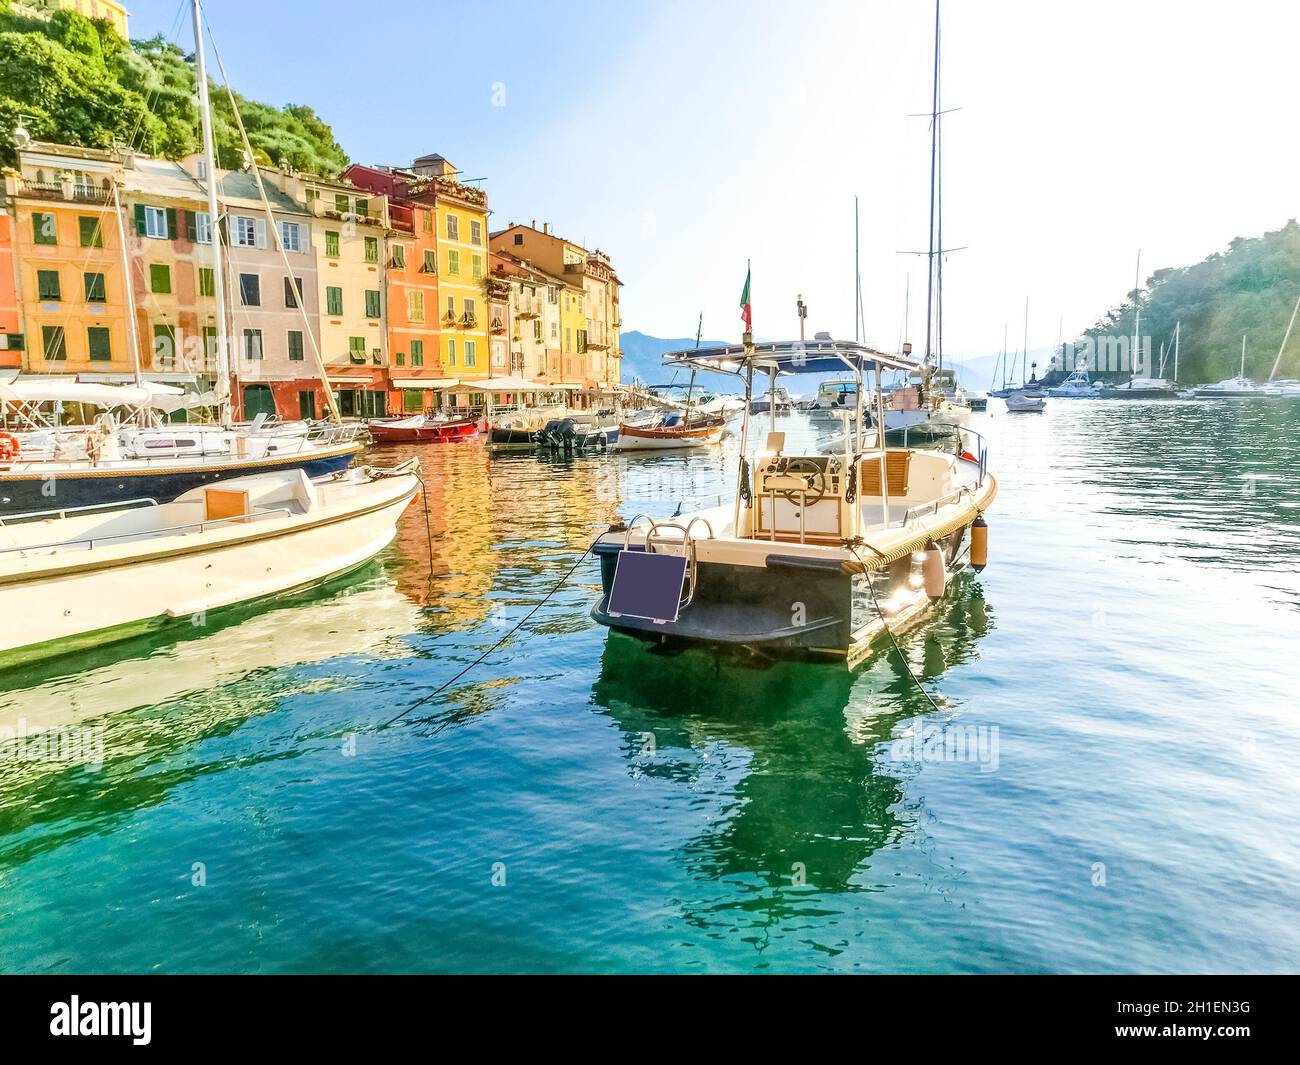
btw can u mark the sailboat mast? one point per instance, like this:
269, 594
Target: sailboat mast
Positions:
214, 216
132, 325
1273, 372
1024, 352
1178, 328
1243, 356
1137, 316
934, 162
857, 276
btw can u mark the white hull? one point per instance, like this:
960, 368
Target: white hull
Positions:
666, 443
132, 580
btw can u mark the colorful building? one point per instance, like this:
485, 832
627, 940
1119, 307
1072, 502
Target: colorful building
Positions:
11, 329
349, 232
411, 286
534, 318
590, 319
109, 11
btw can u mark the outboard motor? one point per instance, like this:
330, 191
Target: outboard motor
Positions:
559, 433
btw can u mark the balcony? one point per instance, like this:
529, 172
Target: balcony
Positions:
468, 321
526, 307
597, 335
62, 191
467, 194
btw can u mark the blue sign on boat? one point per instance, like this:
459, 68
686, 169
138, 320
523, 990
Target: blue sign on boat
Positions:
647, 585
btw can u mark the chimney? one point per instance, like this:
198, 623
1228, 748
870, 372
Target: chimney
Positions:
546, 228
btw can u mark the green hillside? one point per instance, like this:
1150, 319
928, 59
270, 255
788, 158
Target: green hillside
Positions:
77, 82
1249, 289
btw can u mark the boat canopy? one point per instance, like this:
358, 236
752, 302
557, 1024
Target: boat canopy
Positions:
66, 390
791, 356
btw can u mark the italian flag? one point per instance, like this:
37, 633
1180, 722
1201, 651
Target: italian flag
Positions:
746, 308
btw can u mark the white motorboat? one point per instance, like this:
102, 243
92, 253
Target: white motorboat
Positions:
817, 555
1142, 388
1239, 387
82, 576
1077, 386
1020, 403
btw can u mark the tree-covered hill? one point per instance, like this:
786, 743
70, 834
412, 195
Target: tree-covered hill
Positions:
1250, 289
77, 82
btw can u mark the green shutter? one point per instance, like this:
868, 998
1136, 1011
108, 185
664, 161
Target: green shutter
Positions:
139, 219
191, 228
171, 223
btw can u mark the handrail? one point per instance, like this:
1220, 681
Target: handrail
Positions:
202, 526
142, 501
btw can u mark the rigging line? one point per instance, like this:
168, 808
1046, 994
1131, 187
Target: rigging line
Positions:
871, 587
515, 628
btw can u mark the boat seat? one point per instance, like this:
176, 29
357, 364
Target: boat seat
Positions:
897, 463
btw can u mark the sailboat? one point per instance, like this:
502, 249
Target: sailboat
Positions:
1239, 387
90, 573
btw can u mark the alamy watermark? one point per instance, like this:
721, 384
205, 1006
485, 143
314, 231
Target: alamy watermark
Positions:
953, 742
69, 744
1105, 354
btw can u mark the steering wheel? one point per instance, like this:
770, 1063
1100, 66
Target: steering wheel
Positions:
814, 478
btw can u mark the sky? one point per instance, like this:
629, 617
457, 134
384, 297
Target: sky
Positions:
685, 139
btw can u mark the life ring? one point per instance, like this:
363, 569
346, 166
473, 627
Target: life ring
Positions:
8, 447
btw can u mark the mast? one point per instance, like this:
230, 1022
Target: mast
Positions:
699, 332
1273, 372
1137, 316
214, 217
934, 162
1178, 328
857, 279
132, 326
1243, 356
1024, 352
1005, 330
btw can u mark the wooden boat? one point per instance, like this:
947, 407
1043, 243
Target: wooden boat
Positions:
83, 576
817, 555
669, 436
422, 430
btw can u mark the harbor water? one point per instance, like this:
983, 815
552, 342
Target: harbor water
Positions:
1106, 783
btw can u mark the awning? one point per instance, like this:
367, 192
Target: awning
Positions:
424, 382
513, 384
68, 390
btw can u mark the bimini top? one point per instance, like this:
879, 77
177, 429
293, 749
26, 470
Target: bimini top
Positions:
792, 356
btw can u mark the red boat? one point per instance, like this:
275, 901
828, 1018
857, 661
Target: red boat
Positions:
422, 430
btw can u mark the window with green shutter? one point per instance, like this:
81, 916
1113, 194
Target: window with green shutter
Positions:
341, 203
453, 262
97, 340
333, 300
54, 343
252, 344
207, 281
92, 235
372, 303
160, 277
417, 352
470, 349
164, 345
295, 345
412, 401
44, 229
331, 244
47, 285
430, 261
357, 349
290, 300
250, 290
95, 291
372, 249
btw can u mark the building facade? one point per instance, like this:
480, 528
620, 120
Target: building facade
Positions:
11, 329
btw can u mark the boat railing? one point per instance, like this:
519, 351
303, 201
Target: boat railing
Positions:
687, 544
980, 454
934, 505
138, 534
63, 512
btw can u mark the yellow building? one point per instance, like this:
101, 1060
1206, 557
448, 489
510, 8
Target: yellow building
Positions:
109, 11
461, 217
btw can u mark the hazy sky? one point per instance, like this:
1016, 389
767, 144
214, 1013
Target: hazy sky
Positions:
684, 138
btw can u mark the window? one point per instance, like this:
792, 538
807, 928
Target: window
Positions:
453, 262
155, 222
290, 236
250, 290
415, 305
372, 303
555, 331
244, 232
53, 343
553, 294
537, 329
289, 298
451, 352
412, 401
331, 244
210, 345
94, 284
44, 230
92, 236
372, 249
428, 221
399, 257
198, 226
453, 227
164, 345
207, 281
47, 285
519, 238
97, 341
469, 352
295, 345
476, 232
252, 343
333, 300
568, 339
307, 404
362, 207
451, 307
430, 261
160, 277
357, 349
476, 266
470, 316
341, 203
399, 358
417, 352
582, 340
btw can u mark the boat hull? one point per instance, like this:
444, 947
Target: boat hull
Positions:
36, 489
632, 438
435, 433
125, 594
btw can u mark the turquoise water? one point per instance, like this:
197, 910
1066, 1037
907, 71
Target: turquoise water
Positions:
579, 803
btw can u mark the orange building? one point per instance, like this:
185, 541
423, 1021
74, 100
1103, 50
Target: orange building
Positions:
411, 284
11, 332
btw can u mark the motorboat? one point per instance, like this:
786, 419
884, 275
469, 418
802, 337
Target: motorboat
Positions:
1020, 403
673, 432
519, 428
81, 576
777, 400
579, 432
1141, 388
422, 429
1238, 387
816, 555
1077, 386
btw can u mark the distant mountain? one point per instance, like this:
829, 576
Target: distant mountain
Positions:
643, 357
